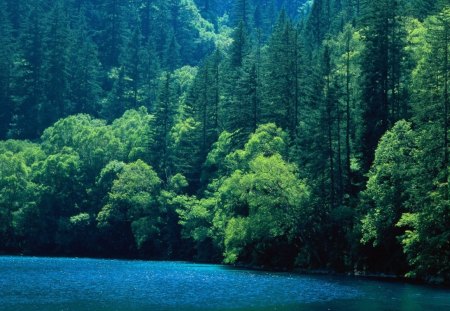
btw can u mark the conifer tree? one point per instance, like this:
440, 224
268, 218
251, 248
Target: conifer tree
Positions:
84, 70
28, 84
57, 47
381, 73
134, 62
281, 77
7, 52
164, 112
112, 39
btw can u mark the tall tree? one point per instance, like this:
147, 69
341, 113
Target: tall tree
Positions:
57, 47
164, 119
134, 63
111, 40
84, 70
281, 98
28, 85
7, 52
381, 72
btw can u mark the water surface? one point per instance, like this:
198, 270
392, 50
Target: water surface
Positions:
51, 284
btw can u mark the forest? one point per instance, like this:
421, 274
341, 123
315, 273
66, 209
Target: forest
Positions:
309, 134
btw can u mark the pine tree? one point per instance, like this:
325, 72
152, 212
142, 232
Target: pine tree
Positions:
231, 106
329, 121
239, 48
112, 39
249, 97
84, 70
28, 84
203, 103
114, 104
57, 47
172, 58
281, 102
150, 73
134, 62
381, 73
242, 9
165, 111
7, 51
431, 108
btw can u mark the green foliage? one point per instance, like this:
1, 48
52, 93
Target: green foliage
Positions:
264, 206
386, 195
262, 201
132, 202
228, 134
19, 192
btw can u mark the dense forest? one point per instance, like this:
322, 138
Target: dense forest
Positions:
270, 133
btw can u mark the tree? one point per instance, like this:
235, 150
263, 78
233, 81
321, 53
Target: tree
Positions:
282, 77
164, 119
112, 39
28, 91
257, 204
134, 63
186, 151
18, 191
248, 94
381, 73
6, 70
242, 9
132, 209
260, 222
386, 196
426, 224
432, 86
114, 104
56, 68
84, 70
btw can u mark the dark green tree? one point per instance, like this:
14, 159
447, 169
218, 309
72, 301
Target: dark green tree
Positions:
381, 64
57, 48
7, 53
165, 111
28, 85
84, 71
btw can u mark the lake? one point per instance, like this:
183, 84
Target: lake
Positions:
61, 284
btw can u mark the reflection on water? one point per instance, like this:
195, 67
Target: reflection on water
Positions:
106, 285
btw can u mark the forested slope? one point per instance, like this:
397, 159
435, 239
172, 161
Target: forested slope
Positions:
309, 134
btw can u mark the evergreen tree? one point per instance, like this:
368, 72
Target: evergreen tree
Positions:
281, 97
134, 64
242, 9
231, 106
164, 119
114, 104
56, 67
151, 70
239, 48
111, 39
172, 58
7, 54
84, 70
28, 85
381, 72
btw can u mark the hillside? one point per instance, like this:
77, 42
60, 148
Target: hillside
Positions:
270, 133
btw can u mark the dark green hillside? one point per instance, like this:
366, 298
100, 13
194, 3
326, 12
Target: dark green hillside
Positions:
270, 133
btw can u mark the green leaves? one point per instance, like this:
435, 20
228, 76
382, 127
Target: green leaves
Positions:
258, 200
132, 201
265, 203
386, 196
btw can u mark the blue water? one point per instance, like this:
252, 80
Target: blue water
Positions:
61, 284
